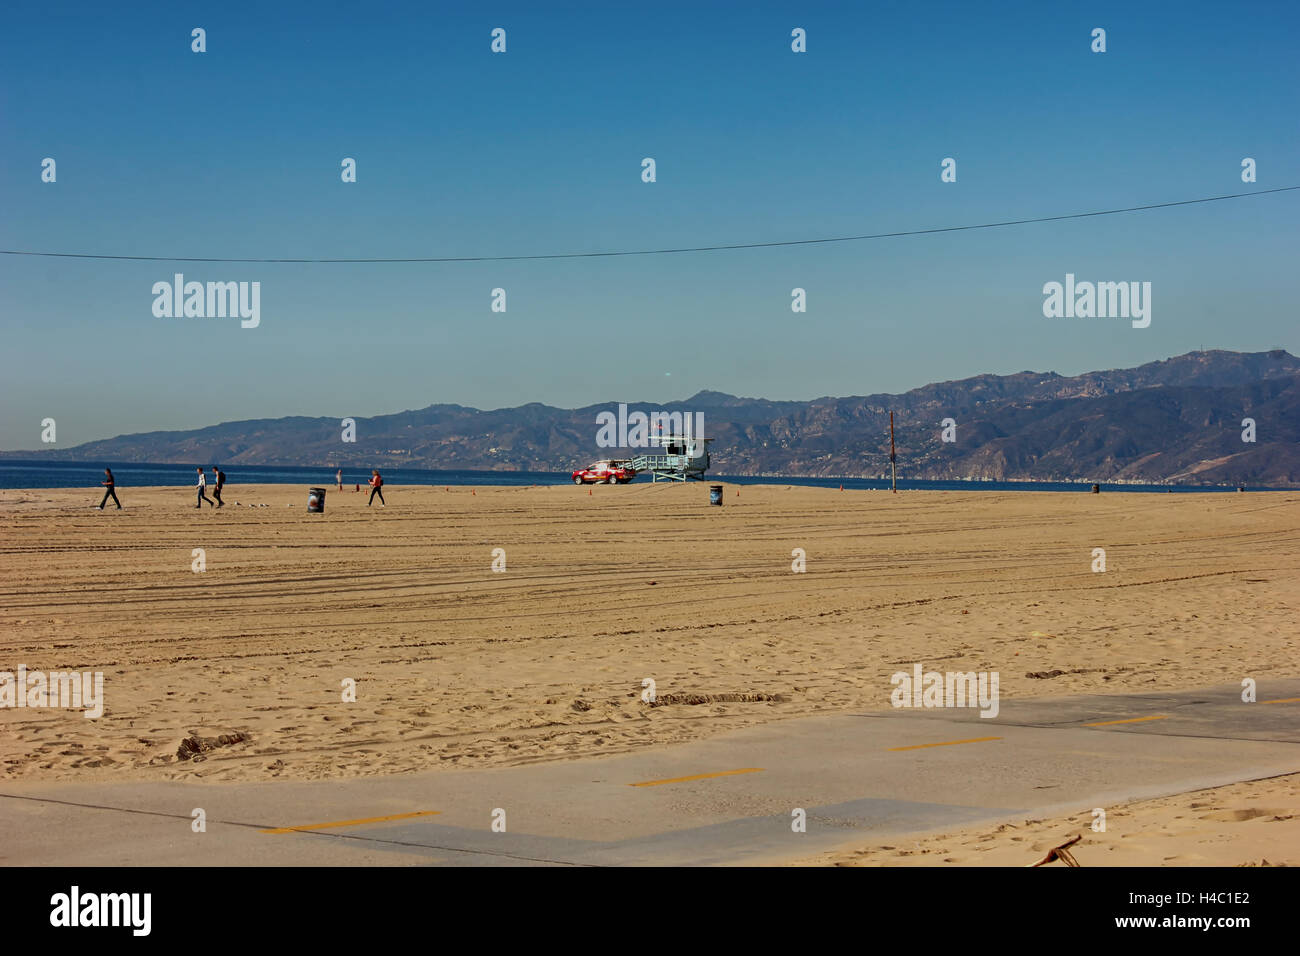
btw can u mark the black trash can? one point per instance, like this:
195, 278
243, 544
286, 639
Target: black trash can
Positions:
316, 501
715, 494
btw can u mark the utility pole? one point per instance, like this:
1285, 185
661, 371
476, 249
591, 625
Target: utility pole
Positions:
893, 458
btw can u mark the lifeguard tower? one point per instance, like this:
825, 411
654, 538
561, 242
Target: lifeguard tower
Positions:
685, 458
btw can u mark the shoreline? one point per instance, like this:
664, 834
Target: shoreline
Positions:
503, 479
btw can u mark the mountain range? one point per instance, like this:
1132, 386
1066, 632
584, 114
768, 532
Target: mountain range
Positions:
1178, 420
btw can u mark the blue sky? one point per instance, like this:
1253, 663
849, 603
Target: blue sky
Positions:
236, 153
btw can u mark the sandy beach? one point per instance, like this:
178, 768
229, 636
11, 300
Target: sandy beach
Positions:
1256, 823
458, 665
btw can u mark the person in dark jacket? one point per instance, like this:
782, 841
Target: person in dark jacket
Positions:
218, 479
109, 489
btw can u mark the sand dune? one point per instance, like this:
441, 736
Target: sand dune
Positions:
457, 665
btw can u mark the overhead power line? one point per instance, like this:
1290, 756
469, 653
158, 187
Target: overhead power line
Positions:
660, 252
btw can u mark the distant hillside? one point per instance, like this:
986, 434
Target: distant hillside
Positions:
1174, 420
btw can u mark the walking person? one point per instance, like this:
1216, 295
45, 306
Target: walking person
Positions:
218, 479
203, 483
375, 484
338, 477
109, 486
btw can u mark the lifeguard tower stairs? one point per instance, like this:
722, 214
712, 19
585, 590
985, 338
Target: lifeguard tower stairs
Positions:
685, 458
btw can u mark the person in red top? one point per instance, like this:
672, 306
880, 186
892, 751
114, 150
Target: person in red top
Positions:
375, 484
109, 486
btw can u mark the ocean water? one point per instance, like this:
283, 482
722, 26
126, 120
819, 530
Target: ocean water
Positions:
16, 473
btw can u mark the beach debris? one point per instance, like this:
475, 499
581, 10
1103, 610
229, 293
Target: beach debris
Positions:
1048, 675
1040, 634
581, 704
194, 747
664, 700
1061, 853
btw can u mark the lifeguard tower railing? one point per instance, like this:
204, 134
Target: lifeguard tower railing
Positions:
686, 459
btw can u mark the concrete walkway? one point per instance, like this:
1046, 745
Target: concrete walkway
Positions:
726, 800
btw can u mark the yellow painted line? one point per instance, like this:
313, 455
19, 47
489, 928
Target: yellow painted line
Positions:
1284, 700
1128, 720
698, 776
946, 743
353, 823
